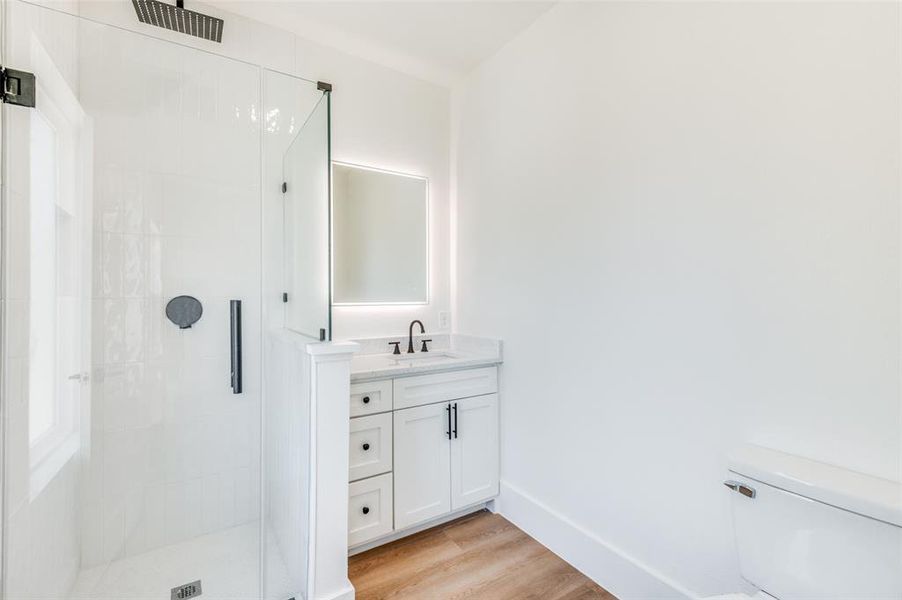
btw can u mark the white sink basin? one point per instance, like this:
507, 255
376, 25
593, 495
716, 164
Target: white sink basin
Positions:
424, 356
378, 362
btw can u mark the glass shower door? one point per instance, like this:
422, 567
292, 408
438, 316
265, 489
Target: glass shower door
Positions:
131, 469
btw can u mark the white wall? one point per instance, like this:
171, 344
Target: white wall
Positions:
683, 220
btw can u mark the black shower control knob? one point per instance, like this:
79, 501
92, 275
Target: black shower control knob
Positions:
184, 311
366, 510
366, 399
366, 446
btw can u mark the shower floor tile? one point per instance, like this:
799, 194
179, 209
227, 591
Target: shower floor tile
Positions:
226, 562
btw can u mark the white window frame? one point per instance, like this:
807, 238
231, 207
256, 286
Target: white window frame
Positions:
58, 106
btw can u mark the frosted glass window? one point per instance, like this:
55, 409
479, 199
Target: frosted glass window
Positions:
42, 400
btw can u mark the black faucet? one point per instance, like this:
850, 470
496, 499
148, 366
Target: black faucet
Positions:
410, 334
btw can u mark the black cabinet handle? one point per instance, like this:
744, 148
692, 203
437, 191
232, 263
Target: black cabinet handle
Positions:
235, 315
366, 510
366, 399
366, 446
448, 433
455, 420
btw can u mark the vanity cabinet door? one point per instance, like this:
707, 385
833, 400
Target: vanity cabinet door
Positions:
474, 450
422, 464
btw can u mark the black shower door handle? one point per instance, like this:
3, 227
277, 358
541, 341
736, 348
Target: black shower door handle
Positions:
235, 314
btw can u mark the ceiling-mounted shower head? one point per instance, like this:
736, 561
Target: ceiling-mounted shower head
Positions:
177, 18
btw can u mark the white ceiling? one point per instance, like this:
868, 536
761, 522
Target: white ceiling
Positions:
436, 40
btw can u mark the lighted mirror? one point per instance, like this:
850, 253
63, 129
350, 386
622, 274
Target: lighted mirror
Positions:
380, 224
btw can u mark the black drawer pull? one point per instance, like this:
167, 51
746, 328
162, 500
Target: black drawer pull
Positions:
366, 399
366, 446
455, 420
366, 510
448, 433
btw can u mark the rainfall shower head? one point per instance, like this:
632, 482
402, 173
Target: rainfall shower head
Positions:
177, 18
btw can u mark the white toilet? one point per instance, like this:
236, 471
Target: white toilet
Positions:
813, 531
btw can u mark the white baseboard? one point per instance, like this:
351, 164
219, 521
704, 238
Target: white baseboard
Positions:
346, 593
611, 568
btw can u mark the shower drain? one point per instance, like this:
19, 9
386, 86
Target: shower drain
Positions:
189, 590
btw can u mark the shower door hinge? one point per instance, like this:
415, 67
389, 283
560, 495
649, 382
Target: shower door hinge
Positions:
323, 86
18, 87
322, 335
284, 187
284, 296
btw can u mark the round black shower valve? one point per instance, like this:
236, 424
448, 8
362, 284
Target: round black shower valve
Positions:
184, 311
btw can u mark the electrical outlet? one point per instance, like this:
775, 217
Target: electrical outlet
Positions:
444, 320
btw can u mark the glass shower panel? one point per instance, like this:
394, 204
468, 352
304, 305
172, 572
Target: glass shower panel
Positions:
307, 177
130, 466
287, 103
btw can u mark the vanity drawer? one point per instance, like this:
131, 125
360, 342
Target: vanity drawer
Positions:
371, 446
369, 509
440, 387
371, 397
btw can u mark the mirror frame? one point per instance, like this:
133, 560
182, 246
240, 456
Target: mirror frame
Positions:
428, 299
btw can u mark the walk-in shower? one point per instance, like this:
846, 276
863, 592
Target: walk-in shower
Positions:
135, 464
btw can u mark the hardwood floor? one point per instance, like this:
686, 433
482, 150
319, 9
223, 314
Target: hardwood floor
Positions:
480, 556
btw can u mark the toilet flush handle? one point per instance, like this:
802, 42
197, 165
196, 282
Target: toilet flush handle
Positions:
740, 487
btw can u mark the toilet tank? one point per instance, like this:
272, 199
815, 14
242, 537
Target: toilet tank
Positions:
808, 530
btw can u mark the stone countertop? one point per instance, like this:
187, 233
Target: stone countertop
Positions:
448, 352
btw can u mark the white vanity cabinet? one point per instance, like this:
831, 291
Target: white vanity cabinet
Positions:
447, 457
442, 429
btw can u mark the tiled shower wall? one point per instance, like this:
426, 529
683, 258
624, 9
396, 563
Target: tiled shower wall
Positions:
172, 452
